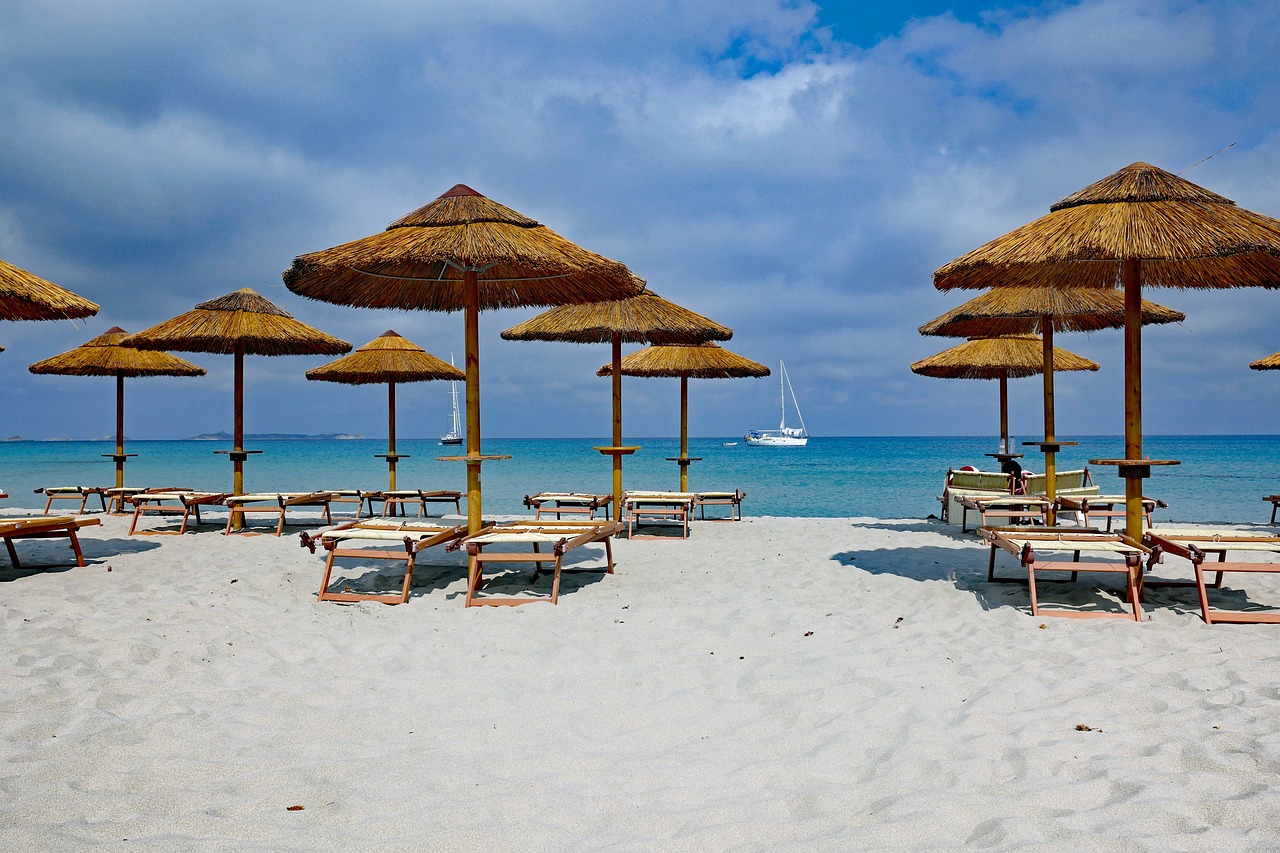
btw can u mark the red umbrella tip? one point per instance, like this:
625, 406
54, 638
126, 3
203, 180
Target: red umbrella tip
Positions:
389, 334
115, 329
459, 189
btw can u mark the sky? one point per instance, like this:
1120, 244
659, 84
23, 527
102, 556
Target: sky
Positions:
794, 170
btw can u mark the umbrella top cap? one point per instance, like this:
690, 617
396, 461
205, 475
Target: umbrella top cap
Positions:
390, 334
462, 206
245, 299
115, 330
1140, 182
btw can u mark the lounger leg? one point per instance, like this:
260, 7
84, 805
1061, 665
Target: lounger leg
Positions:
608, 553
84, 501
991, 566
75, 546
1131, 578
186, 513
137, 511
48, 504
410, 559
227, 531
280, 526
473, 579
324, 582
1031, 585
555, 583
1203, 593
13, 553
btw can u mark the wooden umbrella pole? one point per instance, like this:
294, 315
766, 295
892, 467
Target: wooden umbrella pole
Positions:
391, 434
684, 432
1132, 279
237, 455
119, 430
616, 341
471, 311
1004, 413
1050, 456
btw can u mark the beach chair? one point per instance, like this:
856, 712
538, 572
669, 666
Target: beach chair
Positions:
72, 493
379, 539
1274, 500
643, 506
1093, 507
43, 527
567, 503
1031, 509
184, 501
1073, 483
360, 497
561, 537
393, 502
1197, 545
1122, 555
733, 500
970, 482
120, 497
279, 503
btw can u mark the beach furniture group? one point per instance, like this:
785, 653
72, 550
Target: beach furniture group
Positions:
378, 539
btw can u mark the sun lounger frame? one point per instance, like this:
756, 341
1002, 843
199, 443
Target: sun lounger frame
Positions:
71, 493
188, 503
657, 506
44, 527
413, 542
562, 536
1105, 506
393, 501
1021, 544
567, 503
733, 500
283, 503
1197, 546
1010, 508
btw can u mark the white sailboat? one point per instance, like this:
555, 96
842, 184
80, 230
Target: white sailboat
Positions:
454, 435
783, 436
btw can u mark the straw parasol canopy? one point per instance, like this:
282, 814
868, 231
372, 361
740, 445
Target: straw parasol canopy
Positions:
106, 356
240, 323
24, 296
1002, 358
465, 252
391, 359
701, 361
1138, 225
1271, 362
1031, 310
644, 318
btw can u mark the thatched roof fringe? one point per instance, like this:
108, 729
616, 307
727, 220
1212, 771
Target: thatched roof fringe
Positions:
105, 356
1014, 356
24, 296
387, 358
1023, 311
645, 318
703, 361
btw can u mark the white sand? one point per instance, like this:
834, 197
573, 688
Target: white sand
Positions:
830, 684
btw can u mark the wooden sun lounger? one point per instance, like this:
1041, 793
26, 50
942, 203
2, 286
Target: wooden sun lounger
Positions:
560, 536
1011, 508
733, 500
1092, 507
360, 497
183, 501
1025, 544
43, 527
72, 493
1197, 545
1274, 500
393, 502
119, 496
657, 506
277, 502
360, 540
567, 503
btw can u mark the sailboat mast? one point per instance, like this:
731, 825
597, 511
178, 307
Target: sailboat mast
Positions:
782, 393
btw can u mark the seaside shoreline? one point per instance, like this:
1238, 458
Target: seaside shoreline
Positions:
803, 683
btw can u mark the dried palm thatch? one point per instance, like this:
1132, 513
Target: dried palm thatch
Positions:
1184, 235
1011, 356
420, 262
643, 318
1007, 311
386, 358
1271, 362
106, 356
242, 320
702, 361
24, 296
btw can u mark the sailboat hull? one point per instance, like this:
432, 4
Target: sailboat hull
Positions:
770, 438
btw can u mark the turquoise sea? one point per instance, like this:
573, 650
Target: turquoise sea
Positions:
1221, 478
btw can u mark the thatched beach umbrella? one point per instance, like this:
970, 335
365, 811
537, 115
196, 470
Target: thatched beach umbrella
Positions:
1002, 358
24, 296
1271, 362
105, 356
699, 361
1043, 311
391, 359
462, 252
646, 318
240, 323
1140, 225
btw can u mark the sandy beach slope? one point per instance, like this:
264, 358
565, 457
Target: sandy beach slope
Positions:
805, 684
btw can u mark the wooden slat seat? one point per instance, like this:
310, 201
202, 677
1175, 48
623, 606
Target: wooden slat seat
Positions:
279, 503
365, 540
561, 537
1197, 545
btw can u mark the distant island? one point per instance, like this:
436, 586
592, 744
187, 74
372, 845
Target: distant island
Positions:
277, 436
